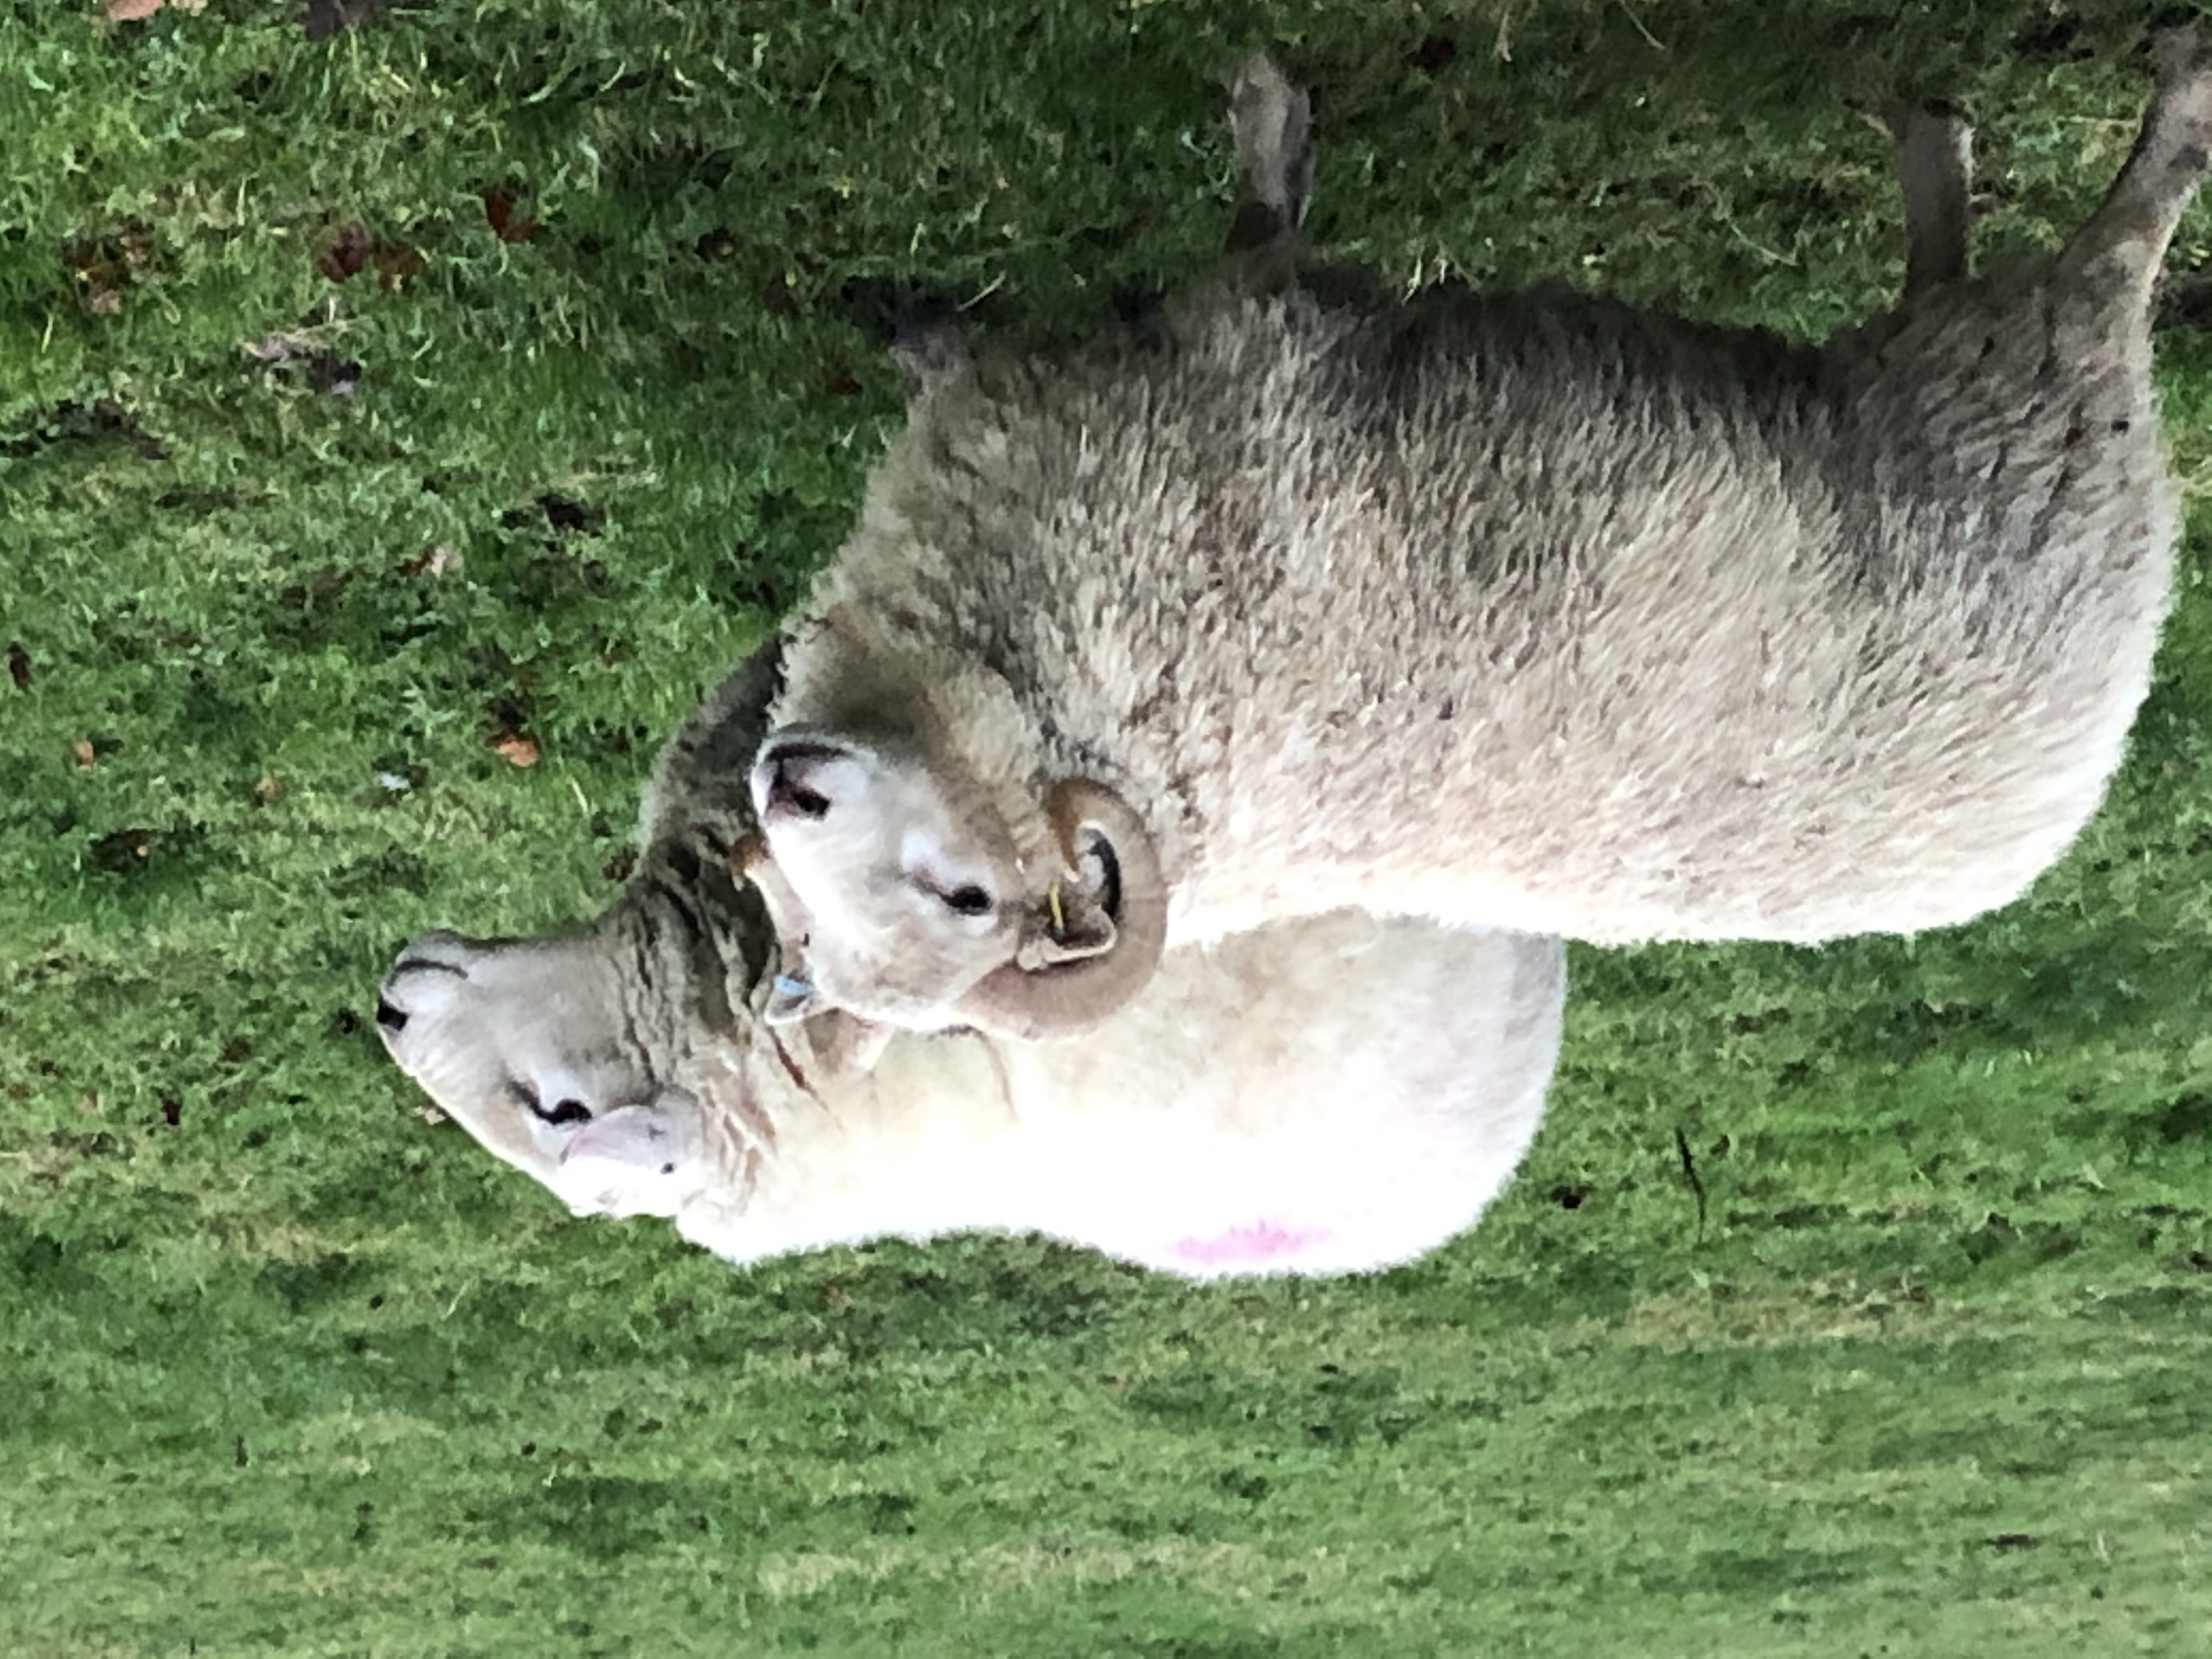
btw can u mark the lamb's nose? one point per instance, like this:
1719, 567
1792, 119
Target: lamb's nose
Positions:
390, 1018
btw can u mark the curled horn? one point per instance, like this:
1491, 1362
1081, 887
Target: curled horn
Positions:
1080, 991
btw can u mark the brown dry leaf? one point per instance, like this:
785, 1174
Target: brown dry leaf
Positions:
506, 224
82, 749
395, 263
87, 1104
345, 249
106, 261
268, 788
131, 11
519, 749
324, 18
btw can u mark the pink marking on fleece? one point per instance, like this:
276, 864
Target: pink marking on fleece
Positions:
1258, 1241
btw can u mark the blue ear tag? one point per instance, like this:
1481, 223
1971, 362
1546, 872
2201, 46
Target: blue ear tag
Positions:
790, 997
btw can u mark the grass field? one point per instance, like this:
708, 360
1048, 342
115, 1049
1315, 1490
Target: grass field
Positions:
388, 401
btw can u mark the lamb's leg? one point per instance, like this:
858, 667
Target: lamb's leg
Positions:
1935, 164
1271, 121
2121, 246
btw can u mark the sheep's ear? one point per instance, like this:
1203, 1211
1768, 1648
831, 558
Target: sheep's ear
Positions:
630, 1161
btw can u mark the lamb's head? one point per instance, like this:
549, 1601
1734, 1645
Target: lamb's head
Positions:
901, 896
526, 1044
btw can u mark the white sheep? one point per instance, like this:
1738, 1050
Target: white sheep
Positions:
1530, 611
1330, 1094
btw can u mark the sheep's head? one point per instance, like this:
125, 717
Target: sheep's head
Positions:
526, 1044
898, 899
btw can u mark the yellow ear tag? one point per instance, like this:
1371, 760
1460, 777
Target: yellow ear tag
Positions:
1051, 904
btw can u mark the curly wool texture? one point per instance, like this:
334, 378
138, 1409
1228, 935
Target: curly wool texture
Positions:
1537, 612
1331, 1095
1519, 610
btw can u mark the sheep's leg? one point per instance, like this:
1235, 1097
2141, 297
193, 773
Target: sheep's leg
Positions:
926, 333
1271, 121
1935, 164
2125, 239
929, 343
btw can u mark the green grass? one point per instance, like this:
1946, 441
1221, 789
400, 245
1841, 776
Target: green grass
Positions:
284, 1369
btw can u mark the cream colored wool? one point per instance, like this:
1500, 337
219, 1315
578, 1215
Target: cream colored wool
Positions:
1328, 1095
1521, 610
1331, 1095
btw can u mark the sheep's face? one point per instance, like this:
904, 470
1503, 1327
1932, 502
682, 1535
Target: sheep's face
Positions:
902, 899
528, 1046
899, 896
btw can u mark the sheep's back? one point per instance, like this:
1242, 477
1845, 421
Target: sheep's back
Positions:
1543, 612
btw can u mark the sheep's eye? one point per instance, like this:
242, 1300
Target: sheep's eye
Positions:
560, 1115
969, 902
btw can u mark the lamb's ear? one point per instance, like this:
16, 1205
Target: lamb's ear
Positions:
635, 1160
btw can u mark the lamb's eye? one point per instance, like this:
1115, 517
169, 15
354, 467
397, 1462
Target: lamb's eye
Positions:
970, 901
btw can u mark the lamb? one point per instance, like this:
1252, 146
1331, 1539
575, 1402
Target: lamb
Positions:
1248, 1113
1528, 611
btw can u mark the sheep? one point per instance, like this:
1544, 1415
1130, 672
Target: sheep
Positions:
1521, 610
1330, 1094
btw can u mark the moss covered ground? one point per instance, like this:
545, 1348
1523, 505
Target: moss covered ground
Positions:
393, 393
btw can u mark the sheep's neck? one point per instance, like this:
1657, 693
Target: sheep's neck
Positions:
926, 1144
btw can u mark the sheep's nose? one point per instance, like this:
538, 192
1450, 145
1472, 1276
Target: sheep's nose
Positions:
789, 778
390, 1018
